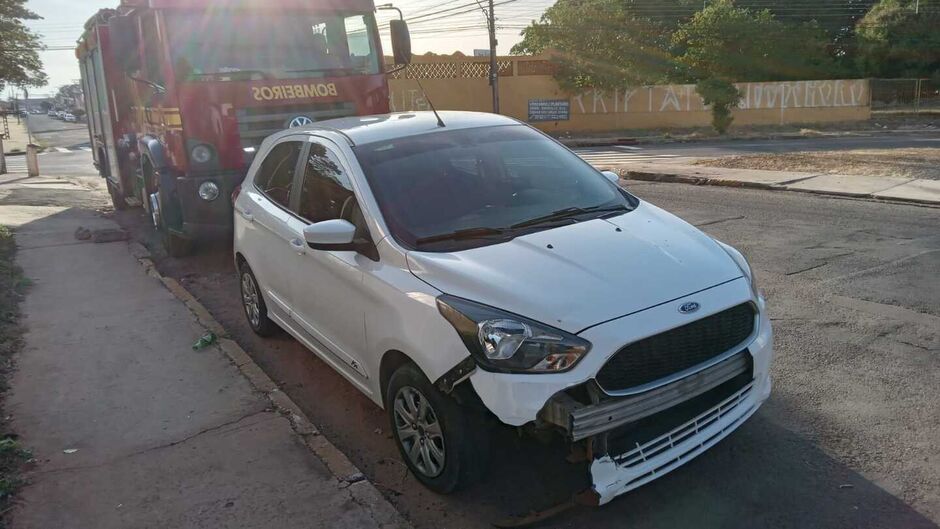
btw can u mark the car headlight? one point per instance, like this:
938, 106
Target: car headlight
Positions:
201, 153
742, 263
504, 342
208, 191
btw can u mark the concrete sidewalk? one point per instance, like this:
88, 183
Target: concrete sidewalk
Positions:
131, 427
881, 187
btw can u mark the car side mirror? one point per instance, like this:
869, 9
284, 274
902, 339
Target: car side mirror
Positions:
329, 234
401, 41
612, 176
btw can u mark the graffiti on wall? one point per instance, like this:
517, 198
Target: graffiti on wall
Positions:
407, 100
684, 98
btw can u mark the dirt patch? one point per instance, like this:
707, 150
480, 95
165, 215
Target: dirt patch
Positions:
909, 163
12, 289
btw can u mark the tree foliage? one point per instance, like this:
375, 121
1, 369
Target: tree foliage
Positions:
738, 44
723, 96
19, 59
895, 40
603, 44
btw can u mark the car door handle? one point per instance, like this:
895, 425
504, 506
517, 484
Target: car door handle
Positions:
246, 214
299, 246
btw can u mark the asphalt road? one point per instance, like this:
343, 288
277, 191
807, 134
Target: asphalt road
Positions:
54, 133
849, 438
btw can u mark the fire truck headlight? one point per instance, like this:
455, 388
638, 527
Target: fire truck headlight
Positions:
209, 191
201, 153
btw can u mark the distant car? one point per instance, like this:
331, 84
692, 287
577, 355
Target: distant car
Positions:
480, 271
70, 117
51, 114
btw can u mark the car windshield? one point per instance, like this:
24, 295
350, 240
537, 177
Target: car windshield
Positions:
454, 190
286, 45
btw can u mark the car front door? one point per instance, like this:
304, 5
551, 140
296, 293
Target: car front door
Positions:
328, 285
268, 235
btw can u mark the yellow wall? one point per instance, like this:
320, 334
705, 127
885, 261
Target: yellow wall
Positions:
635, 108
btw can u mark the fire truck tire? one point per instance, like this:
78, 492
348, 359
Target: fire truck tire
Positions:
117, 198
175, 245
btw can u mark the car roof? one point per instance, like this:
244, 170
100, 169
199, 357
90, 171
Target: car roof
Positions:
360, 130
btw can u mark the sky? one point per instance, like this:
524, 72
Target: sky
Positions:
439, 26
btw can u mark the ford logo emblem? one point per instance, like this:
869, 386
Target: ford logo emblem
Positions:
300, 121
689, 307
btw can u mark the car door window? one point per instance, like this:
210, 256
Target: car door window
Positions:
276, 174
326, 192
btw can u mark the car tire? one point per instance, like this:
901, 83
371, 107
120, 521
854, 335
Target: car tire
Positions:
449, 432
256, 312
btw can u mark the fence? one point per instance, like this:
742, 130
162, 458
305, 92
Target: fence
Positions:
528, 92
905, 94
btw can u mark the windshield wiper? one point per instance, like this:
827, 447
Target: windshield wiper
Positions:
335, 69
466, 233
262, 73
568, 213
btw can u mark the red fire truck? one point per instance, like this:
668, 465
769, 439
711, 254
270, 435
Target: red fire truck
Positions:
181, 93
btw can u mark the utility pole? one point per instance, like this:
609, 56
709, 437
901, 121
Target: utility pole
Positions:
494, 73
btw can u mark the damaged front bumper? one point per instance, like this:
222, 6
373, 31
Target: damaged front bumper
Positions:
633, 440
614, 474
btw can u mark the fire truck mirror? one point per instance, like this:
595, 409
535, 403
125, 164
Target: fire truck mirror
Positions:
123, 33
401, 41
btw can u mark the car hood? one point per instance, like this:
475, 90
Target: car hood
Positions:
577, 276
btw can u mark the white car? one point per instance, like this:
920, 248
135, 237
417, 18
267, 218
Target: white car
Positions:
69, 117
473, 268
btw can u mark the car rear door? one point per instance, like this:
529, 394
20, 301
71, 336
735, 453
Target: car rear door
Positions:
267, 241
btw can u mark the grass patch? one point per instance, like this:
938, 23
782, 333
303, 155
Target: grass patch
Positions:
12, 287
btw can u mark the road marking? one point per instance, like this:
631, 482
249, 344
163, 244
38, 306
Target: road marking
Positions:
620, 154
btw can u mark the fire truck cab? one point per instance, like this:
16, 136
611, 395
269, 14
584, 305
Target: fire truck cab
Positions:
182, 92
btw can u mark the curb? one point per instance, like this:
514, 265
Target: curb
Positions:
660, 139
649, 176
347, 475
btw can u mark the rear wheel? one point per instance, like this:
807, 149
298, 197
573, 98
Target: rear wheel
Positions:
443, 444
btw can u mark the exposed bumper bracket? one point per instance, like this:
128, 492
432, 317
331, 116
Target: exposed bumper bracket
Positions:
581, 421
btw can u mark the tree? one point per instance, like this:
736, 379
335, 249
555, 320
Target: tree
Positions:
605, 44
895, 39
735, 43
722, 95
19, 57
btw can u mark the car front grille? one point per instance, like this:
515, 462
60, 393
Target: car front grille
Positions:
676, 350
257, 123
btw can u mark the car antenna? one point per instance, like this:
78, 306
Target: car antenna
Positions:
440, 122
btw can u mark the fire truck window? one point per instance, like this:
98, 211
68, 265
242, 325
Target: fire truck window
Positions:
152, 47
276, 174
235, 45
359, 42
326, 192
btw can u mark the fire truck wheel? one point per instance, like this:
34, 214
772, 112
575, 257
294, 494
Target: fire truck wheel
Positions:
175, 245
117, 198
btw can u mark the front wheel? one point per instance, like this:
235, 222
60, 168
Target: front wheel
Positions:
117, 197
443, 444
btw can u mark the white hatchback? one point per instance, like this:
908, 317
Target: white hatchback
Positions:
471, 269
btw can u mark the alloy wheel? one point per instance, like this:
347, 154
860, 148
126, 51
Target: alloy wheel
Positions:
250, 300
419, 431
